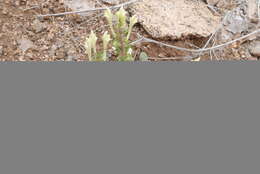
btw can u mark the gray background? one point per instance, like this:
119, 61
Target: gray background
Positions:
161, 118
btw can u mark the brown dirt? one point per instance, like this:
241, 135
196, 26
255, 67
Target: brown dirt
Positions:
62, 38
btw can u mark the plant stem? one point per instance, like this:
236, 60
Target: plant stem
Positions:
122, 44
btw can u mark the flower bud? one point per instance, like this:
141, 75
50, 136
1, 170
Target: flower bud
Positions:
109, 16
106, 38
121, 16
93, 41
133, 21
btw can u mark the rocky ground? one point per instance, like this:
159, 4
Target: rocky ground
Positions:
189, 24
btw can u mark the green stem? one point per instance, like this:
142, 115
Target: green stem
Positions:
122, 44
104, 56
129, 32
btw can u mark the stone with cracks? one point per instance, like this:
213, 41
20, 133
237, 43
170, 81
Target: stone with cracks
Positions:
175, 19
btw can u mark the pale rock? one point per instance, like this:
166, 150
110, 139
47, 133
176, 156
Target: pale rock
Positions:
38, 26
25, 44
80, 4
255, 50
252, 10
212, 2
175, 19
1, 50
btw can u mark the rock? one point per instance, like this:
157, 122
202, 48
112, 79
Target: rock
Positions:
220, 3
38, 26
236, 22
60, 54
1, 50
5, 11
71, 54
52, 51
76, 5
252, 10
175, 19
255, 50
71, 58
143, 57
25, 44
212, 2
29, 55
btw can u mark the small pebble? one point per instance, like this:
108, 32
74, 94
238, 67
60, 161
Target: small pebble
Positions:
1, 50
5, 11
60, 54
25, 44
38, 26
255, 50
